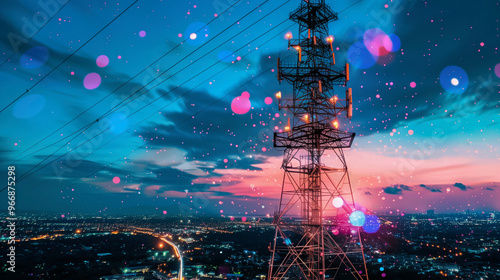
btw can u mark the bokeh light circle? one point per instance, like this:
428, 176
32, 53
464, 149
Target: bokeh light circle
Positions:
413, 84
337, 202
357, 218
497, 70
116, 180
102, 61
28, 106
34, 57
243, 219
241, 104
454, 79
359, 57
268, 100
92, 81
142, 33
372, 224
396, 42
377, 42
197, 32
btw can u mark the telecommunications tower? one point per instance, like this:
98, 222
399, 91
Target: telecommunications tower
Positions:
317, 225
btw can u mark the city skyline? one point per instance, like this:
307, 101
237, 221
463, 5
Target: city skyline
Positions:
425, 112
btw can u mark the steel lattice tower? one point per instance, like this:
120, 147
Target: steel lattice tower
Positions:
322, 244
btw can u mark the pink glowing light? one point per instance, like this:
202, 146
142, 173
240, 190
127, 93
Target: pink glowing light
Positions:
142, 33
241, 104
102, 61
264, 149
377, 42
268, 100
92, 81
116, 180
164, 212
497, 70
413, 84
244, 219
410, 132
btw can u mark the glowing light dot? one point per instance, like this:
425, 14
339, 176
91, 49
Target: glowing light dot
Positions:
413, 84
338, 202
277, 115
244, 219
142, 33
192, 36
119, 57
238, 58
102, 61
164, 212
264, 149
482, 44
268, 100
72, 73
15, 144
454, 81
62, 216
410, 132
116, 180
335, 232
225, 160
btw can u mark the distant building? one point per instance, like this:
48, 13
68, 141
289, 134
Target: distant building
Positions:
430, 212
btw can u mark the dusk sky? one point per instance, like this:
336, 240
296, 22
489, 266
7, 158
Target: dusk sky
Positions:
193, 133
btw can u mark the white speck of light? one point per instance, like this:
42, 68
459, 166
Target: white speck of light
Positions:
454, 81
192, 36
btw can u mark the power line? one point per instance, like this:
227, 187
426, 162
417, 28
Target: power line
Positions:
350, 6
115, 108
27, 175
185, 119
26, 42
115, 90
66, 59
161, 96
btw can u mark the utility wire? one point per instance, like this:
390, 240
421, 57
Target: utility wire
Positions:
66, 59
185, 119
102, 99
26, 42
161, 96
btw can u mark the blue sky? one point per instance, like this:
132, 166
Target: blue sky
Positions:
179, 147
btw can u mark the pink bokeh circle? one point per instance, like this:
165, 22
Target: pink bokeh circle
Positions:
102, 61
241, 104
92, 81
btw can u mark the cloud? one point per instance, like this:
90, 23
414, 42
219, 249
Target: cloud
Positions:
430, 189
461, 186
397, 189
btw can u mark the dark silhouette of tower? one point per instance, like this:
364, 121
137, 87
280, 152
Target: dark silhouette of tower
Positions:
317, 225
